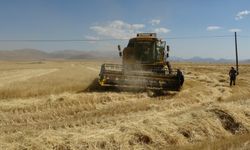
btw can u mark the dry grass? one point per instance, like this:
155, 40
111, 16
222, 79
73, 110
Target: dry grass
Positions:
45, 78
48, 112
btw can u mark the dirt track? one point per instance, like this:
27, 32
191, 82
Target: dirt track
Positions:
206, 109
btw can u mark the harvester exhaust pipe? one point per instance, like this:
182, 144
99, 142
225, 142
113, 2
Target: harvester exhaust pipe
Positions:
120, 51
168, 49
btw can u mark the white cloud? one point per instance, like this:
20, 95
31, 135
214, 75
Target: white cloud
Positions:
117, 29
155, 22
212, 28
161, 30
242, 14
235, 30
137, 26
91, 38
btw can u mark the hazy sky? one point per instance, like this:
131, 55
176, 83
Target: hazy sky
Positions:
190, 26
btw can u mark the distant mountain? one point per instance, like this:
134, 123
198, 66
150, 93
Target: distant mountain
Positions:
246, 61
200, 59
174, 58
74, 54
71, 54
23, 54
33, 54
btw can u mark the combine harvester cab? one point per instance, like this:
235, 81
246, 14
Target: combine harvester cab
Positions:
144, 66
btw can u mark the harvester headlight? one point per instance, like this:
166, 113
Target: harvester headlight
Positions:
102, 82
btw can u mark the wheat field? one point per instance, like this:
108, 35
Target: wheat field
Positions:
57, 105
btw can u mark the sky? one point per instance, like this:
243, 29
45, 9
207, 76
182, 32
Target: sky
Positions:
190, 27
